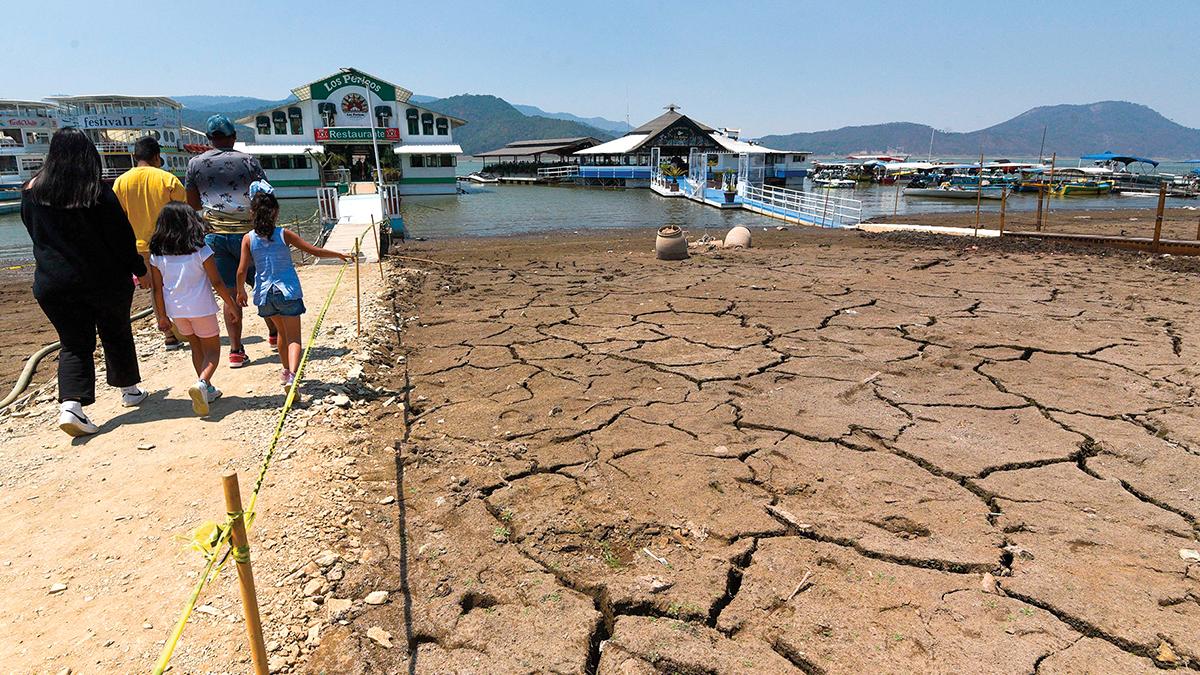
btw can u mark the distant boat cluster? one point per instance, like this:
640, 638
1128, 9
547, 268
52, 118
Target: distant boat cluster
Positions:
1106, 173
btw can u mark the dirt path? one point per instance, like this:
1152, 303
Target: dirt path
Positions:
832, 453
106, 516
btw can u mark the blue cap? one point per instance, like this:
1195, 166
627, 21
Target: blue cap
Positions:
261, 186
220, 125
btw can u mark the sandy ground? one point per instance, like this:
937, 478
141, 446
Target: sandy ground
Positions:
108, 516
832, 453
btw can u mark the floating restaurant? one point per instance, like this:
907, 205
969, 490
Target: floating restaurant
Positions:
641, 157
25, 130
341, 128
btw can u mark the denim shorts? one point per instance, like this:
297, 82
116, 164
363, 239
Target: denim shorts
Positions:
277, 305
227, 253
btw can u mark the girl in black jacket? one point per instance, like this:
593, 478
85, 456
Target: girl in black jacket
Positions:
86, 263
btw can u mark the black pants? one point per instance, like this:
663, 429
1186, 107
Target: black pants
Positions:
77, 318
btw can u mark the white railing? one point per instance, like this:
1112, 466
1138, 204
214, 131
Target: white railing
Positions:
558, 171
391, 199
327, 204
112, 146
113, 172
818, 209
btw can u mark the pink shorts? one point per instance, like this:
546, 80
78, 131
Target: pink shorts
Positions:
200, 326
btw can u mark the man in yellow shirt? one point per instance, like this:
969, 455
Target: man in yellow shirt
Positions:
143, 191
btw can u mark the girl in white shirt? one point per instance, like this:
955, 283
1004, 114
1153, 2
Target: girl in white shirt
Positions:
184, 277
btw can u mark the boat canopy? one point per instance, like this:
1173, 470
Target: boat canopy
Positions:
1109, 156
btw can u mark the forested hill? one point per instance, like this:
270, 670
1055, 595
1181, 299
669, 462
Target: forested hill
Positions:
492, 123
1071, 130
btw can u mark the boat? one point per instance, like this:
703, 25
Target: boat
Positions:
25, 130
1079, 188
830, 182
481, 177
947, 191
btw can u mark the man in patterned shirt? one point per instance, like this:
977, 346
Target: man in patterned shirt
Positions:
218, 186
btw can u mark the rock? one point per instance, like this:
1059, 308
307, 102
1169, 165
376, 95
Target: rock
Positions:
273, 646
145, 446
338, 605
380, 636
341, 401
276, 663
336, 573
313, 587
376, 597
314, 635
1018, 552
1165, 654
57, 588
64, 671
326, 558
1189, 554
655, 584
987, 584
387, 500
209, 610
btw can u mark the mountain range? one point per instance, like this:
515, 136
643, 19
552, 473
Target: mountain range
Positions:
1071, 131
491, 122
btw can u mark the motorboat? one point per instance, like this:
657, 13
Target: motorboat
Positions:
1079, 188
947, 191
830, 182
481, 177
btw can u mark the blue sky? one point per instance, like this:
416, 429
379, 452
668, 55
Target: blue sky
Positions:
764, 66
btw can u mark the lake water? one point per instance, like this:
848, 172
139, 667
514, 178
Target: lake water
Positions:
502, 210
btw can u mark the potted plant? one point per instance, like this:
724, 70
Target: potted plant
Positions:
730, 187
673, 172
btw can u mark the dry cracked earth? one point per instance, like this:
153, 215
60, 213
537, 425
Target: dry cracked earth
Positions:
832, 453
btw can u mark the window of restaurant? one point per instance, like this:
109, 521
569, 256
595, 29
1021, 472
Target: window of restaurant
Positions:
279, 120
449, 160
416, 161
267, 161
8, 164
295, 119
414, 126
262, 124
443, 126
427, 124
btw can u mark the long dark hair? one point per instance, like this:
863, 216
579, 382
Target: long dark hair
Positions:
179, 231
70, 178
264, 209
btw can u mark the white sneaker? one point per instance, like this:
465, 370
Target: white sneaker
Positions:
130, 400
76, 424
199, 393
213, 393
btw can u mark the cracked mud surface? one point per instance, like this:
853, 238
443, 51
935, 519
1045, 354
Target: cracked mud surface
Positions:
827, 454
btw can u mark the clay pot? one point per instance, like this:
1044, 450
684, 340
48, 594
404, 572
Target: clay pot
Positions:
738, 237
670, 243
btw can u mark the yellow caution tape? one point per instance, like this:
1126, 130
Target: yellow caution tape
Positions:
210, 538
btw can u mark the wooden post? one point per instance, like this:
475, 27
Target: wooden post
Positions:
357, 288
1158, 216
1042, 191
1003, 207
378, 249
241, 548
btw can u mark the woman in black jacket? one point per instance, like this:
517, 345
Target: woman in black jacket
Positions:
86, 261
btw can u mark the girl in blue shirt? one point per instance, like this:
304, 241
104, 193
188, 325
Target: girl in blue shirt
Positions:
277, 292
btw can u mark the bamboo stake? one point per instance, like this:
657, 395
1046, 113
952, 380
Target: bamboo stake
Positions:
378, 249
357, 290
241, 547
1158, 216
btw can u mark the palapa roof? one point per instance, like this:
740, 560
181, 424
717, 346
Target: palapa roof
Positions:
665, 120
530, 147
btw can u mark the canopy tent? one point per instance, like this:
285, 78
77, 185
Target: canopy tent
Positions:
1109, 156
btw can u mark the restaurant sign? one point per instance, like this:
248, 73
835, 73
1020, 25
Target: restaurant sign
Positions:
353, 134
329, 87
114, 121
